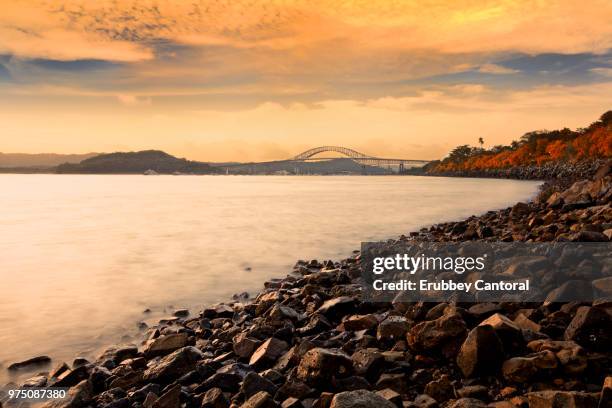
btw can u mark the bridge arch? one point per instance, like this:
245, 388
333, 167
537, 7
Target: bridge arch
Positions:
353, 154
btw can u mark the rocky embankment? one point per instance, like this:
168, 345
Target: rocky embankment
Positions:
566, 171
308, 340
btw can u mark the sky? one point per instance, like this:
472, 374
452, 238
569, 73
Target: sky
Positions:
248, 80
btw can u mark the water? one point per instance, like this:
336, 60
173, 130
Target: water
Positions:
81, 256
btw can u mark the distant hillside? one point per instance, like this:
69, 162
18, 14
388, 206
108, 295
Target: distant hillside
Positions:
538, 148
40, 160
136, 163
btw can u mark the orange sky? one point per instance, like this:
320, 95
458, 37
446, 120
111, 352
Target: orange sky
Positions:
261, 80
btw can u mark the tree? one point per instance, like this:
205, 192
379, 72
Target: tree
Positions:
481, 142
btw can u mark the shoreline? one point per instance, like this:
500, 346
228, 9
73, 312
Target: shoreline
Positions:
284, 346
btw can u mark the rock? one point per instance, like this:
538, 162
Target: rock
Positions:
391, 396
253, 383
508, 332
473, 391
481, 352
561, 399
360, 322
280, 312
368, 363
34, 361
316, 324
440, 389
570, 355
77, 397
214, 398
525, 323
70, 378
590, 328
295, 389
425, 401
433, 334
291, 403
218, 311
336, 308
605, 400
319, 366
165, 344
244, 346
260, 400
181, 313
118, 353
268, 352
398, 382
522, 369
392, 328
36, 381
173, 365
227, 381
360, 399
169, 399
468, 403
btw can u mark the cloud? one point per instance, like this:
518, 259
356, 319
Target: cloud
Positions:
133, 100
606, 72
496, 69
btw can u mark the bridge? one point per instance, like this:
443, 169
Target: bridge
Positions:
358, 157
397, 165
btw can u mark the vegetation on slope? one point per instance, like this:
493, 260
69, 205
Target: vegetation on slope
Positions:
534, 148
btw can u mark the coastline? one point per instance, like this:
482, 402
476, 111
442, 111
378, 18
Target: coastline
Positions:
285, 346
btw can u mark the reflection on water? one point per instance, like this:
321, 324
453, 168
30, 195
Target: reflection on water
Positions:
81, 257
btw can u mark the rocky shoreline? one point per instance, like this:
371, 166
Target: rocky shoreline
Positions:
308, 340
561, 172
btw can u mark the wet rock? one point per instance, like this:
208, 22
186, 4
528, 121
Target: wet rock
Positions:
77, 397
218, 311
214, 398
253, 383
165, 344
268, 352
319, 366
173, 365
70, 378
260, 400
31, 362
590, 328
36, 381
360, 399
392, 328
481, 352
181, 313
118, 353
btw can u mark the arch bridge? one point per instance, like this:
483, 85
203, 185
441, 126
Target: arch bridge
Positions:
361, 158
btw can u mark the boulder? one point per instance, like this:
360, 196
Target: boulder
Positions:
254, 383
260, 400
433, 334
368, 363
561, 399
174, 365
267, 354
31, 362
360, 399
392, 328
165, 344
214, 398
318, 366
78, 396
169, 399
336, 308
244, 346
605, 400
590, 328
481, 352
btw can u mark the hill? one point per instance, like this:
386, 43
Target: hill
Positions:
537, 149
136, 163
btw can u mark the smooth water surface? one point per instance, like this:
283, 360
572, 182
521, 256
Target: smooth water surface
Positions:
81, 256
